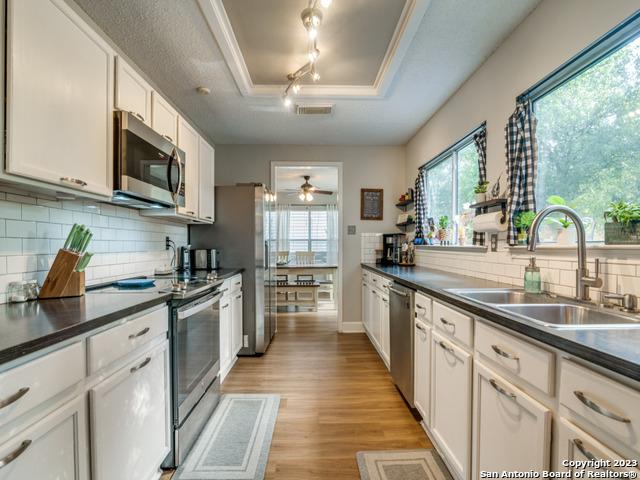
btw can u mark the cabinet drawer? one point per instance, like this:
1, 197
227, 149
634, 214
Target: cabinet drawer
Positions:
422, 308
117, 342
529, 362
231, 285
609, 407
453, 323
29, 385
366, 276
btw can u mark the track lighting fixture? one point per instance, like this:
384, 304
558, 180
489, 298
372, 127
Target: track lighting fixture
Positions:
311, 20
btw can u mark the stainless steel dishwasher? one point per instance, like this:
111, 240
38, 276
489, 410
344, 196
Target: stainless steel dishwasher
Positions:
401, 339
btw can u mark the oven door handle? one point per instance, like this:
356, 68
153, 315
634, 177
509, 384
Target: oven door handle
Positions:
188, 312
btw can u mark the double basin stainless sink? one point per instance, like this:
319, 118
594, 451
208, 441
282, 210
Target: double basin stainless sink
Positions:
548, 311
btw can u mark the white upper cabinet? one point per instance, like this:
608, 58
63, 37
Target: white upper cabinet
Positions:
189, 143
59, 98
133, 93
164, 118
206, 207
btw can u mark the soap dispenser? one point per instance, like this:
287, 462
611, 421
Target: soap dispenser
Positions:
532, 280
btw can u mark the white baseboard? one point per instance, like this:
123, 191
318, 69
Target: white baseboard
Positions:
352, 327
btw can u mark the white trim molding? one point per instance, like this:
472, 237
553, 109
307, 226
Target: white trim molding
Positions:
406, 28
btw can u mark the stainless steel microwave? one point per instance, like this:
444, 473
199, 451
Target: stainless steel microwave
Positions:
149, 169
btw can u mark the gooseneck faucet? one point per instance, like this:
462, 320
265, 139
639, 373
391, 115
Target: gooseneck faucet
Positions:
583, 280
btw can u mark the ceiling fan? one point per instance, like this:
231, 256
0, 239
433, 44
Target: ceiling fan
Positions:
307, 190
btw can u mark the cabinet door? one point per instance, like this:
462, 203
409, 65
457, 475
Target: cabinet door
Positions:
422, 374
451, 402
53, 448
384, 329
366, 306
133, 93
164, 118
511, 430
59, 98
375, 317
130, 419
575, 445
225, 335
237, 323
206, 204
188, 142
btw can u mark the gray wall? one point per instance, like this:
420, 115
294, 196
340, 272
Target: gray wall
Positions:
363, 167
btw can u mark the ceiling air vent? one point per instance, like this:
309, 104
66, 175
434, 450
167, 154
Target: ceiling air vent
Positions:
326, 109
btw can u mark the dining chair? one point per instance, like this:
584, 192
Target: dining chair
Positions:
305, 258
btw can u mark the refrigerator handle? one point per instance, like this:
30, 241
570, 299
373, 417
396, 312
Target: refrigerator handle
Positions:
266, 255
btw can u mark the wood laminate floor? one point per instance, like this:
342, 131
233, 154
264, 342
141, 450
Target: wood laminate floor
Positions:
337, 398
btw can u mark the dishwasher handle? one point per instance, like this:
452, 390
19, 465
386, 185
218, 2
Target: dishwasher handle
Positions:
398, 292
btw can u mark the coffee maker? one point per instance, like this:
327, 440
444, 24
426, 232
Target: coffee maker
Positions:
392, 248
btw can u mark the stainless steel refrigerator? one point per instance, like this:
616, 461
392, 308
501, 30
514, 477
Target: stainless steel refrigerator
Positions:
244, 232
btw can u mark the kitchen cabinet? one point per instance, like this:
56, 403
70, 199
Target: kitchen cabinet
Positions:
422, 362
511, 430
189, 143
54, 447
226, 318
366, 306
376, 308
206, 193
133, 93
451, 402
130, 418
236, 315
575, 445
385, 333
60, 87
164, 118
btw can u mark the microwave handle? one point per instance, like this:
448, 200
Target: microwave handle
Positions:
175, 156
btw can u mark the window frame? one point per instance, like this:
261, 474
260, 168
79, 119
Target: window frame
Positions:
309, 239
451, 152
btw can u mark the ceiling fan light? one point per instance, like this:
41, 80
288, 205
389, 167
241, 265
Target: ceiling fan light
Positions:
308, 197
286, 101
313, 55
301, 197
296, 88
326, 3
312, 33
315, 76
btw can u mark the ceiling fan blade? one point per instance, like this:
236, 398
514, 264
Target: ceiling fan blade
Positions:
323, 192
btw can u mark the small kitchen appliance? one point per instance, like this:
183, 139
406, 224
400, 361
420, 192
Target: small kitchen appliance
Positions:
392, 248
205, 259
184, 258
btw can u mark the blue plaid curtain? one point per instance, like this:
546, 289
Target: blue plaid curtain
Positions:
522, 164
420, 203
480, 141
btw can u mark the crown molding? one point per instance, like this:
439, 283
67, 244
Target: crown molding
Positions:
406, 28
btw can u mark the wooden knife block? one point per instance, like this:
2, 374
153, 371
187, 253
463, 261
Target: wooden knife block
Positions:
63, 280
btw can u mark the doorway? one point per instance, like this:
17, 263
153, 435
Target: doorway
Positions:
309, 240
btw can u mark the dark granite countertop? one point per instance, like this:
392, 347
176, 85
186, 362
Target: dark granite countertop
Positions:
617, 349
28, 327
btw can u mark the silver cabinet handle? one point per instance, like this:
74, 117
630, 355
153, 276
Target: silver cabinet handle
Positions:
598, 409
14, 398
146, 362
504, 354
189, 212
446, 347
447, 323
139, 334
398, 292
15, 454
225, 306
168, 138
501, 390
209, 218
420, 307
580, 446
421, 328
75, 181
238, 297
136, 114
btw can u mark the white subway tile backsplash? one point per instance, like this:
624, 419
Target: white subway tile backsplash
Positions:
33, 229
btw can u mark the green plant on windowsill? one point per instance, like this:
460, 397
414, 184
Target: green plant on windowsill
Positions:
443, 223
624, 227
481, 187
523, 223
558, 200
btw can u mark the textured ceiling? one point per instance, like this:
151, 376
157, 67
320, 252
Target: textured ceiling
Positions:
354, 37
170, 41
290, 178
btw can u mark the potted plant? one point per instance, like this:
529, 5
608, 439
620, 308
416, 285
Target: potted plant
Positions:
481, 191
430, 237
624, 227
523, 222
563, 236
443, 223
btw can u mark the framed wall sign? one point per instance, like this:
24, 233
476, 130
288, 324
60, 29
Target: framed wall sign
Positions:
371, 203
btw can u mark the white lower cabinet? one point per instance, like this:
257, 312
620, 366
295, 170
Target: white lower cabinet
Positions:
451, 402
376, 302
236, 330
421, 374
55, 447
366, 306
226, 319
130, 418
511, 431
385, 333
576, 445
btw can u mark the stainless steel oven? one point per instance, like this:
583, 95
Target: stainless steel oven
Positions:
148, 166
195, 342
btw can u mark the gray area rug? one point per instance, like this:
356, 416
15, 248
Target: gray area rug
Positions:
235, 443
402, 465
